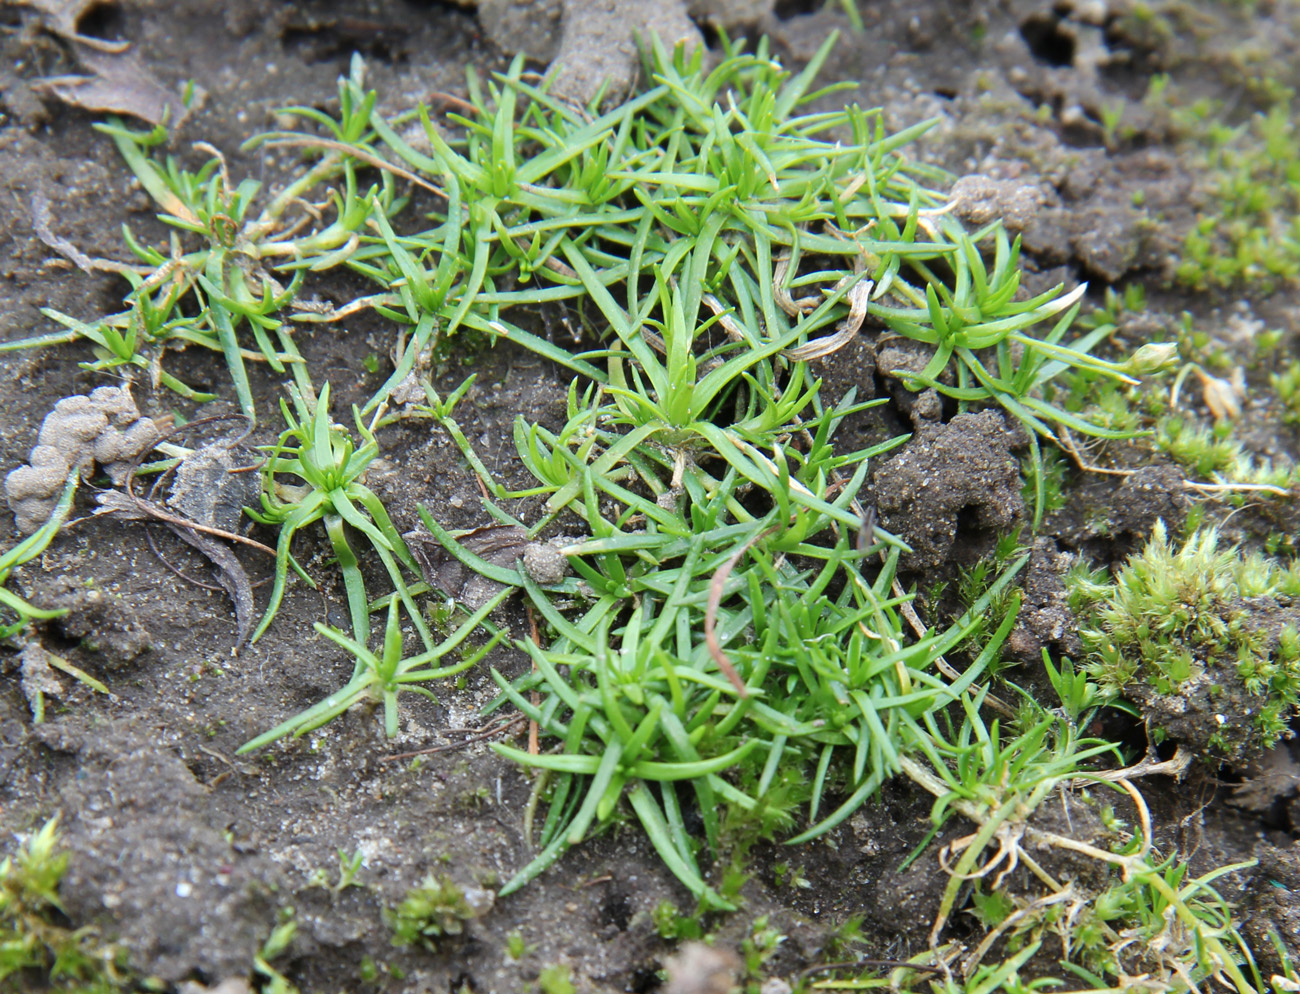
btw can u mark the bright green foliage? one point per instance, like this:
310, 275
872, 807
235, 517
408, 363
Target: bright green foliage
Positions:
1215, 454
438, 907
1001, 778
24, 552
701, 457
673, 925
973, 582
1098, 942
828, 679
1249, 230
383, 675
323, 455
1287, 385
276, 944
211, 283
715, 178
733, 641
1200, 632
32, 936
733, 629
758, 947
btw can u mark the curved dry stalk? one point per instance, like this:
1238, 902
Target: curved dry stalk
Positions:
1068, 443
969, 964
1209, 489
931, 783
129, 504
1008, 837
1175, 767
781, 294
323, 312
723, 313
65, 248
848, 330
711, 612
357, 152
1071, 446
1225, 968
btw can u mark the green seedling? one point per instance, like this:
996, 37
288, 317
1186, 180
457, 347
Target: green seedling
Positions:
384, 675
24, 552
1287, 385
1171, 915
323, 455
211, 284
516, 947
349, 868
276, 944
556, 979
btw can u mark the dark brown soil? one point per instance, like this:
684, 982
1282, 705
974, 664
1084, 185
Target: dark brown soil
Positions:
190, 855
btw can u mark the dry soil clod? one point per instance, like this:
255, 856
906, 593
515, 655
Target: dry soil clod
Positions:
104, 427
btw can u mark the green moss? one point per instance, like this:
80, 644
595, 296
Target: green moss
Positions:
35, 938
1202, 638
555, 979
1287, 385
1215, 454
1249, 230
671, 924
438, 907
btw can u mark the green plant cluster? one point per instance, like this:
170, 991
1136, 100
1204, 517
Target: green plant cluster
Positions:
733, 631
1287, 385
1216, 454
1206, 639
205, 294
1210, 451
438, 907
1249, 229
1135, 927
35, 939
724, 244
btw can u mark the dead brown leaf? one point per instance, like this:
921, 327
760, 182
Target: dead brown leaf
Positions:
63, 16
115, 80
118, 84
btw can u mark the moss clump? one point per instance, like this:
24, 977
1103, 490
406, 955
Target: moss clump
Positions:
35, 941
1203, 639
438, 907
1287, 385
1248, 230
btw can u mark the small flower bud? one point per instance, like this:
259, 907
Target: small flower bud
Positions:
1152, 358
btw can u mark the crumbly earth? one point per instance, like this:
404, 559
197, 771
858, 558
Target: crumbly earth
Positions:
963, 473
190, 855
